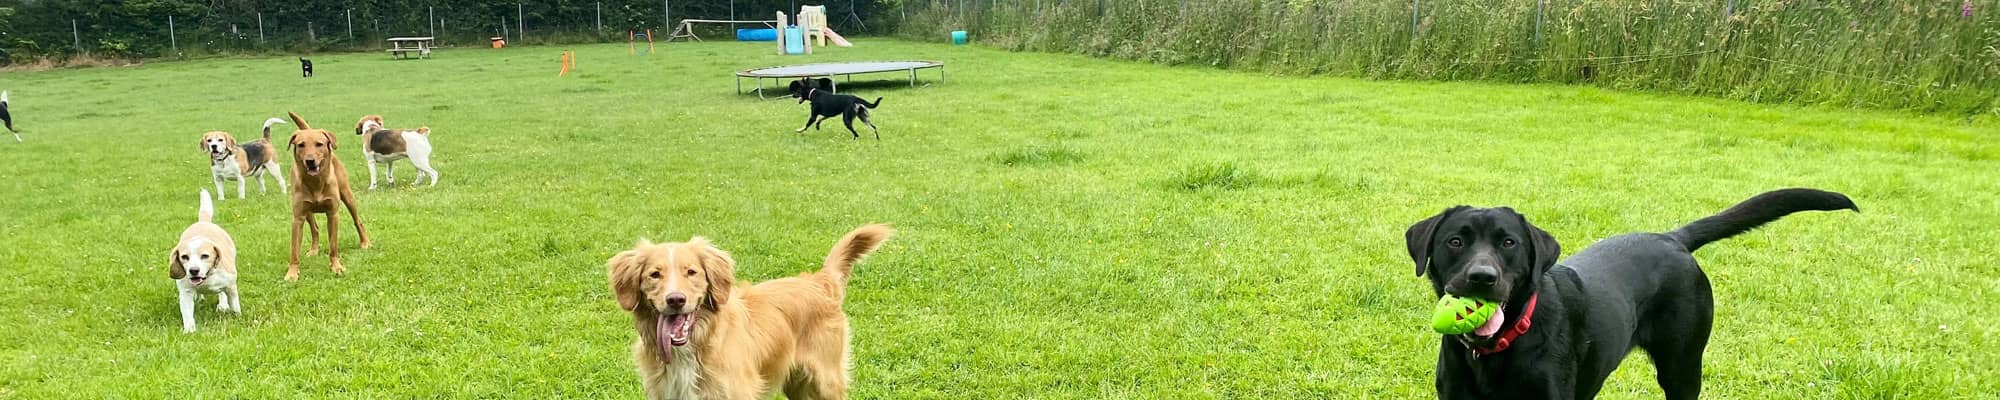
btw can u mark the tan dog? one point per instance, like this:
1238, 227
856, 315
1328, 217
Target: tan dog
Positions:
321, 189
703, 337
204, 261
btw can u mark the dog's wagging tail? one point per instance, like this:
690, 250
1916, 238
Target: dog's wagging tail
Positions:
1756, 212
852, 248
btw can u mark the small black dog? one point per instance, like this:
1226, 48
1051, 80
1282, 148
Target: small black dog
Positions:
827, 104
306, 66
7, 117
1639, 290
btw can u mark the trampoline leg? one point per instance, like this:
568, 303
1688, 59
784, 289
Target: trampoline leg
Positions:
836, 84
940, 74
739, 86
913, 77
760, 88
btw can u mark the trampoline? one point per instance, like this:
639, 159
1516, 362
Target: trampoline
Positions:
829, 70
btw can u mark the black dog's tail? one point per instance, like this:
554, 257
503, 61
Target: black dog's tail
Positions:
1756, 212
877, 103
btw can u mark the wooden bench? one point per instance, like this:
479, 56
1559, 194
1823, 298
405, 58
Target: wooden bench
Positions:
402, 47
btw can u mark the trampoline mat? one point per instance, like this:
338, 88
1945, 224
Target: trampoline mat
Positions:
828, 69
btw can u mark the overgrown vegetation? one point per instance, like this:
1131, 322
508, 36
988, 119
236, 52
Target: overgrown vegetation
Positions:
1932, 56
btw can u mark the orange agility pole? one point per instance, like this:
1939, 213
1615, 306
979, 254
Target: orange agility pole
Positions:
568, 60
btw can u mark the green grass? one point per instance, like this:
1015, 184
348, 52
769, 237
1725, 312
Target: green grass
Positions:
1070, 227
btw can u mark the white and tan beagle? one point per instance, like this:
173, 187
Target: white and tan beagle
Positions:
204, 261
385, 146
228, 160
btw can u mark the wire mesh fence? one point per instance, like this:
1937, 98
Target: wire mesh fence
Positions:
176, 28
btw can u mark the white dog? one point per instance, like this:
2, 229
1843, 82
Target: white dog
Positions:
204, 261
385, 146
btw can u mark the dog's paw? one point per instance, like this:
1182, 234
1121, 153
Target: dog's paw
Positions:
187, 329
339, 270
292, 275
222, 307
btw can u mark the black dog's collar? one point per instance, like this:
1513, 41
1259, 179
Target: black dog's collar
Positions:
1506, 338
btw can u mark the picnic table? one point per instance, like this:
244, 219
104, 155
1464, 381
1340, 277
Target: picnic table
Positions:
401, 47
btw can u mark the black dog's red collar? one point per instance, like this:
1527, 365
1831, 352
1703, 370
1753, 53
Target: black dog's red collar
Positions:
1505, 339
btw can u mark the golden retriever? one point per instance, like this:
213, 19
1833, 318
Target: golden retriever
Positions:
703, 337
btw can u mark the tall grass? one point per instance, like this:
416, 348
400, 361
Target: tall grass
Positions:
1895, 54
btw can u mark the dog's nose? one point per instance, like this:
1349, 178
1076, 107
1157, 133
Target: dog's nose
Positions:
676, 300
1483, 275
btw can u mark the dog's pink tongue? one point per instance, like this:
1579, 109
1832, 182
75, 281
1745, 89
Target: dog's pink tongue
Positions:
661, 331
1492, 324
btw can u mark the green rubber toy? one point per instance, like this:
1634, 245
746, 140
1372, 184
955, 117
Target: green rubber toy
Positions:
1459, 315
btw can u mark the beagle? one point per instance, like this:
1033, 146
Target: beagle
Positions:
228, 160
385, 146
204, 261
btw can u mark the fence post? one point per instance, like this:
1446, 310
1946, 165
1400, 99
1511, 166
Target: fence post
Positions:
520, 25
350, 24
1416, 8
310, 35
1539, 4
260, 28
600, 17
171, 36
667, 12
431, 22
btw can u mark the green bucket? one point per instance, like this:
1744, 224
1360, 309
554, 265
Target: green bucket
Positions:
958, 38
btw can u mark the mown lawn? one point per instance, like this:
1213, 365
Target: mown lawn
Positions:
1070, 227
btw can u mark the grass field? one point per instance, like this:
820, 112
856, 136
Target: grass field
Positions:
1069, 227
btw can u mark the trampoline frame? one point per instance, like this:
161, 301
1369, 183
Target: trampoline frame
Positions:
836, 85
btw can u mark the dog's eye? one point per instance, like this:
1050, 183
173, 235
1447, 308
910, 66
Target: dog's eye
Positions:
690, 272
1454, 243
1509, 242
204, 256
656, 275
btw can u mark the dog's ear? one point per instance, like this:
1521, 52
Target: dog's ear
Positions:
331, 143
1419, 237
424, 130
298, 121
174, 268
623, 270
229, 141
204, 143
720, 270
1543, 250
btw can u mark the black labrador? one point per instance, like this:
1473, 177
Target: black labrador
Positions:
1640, 290
827, 104
8, 117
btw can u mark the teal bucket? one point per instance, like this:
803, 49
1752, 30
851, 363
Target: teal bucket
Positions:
958, 38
